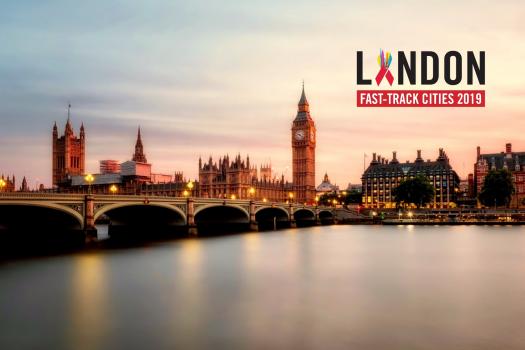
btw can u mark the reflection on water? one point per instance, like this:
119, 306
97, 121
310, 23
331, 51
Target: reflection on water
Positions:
89, 317
359, 287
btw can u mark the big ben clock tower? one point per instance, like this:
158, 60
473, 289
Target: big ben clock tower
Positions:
303, 146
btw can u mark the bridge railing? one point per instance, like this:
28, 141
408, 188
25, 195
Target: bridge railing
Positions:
116, 197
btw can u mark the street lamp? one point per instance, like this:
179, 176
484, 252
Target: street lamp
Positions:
410, 214
316, 199
251, 191
185, 193
233, 196
265, 200
290, 195
2, 185
113, 189
89, 179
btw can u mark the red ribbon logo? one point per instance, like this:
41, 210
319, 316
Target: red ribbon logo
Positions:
384, 63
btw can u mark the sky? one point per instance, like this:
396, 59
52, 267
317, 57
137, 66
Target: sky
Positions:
211, 77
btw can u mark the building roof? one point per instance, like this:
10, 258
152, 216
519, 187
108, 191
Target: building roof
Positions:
303, 108
380, 166
99, 179
500, 160
326, 185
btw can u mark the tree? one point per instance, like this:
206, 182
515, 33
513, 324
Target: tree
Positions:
497, 189
418, 191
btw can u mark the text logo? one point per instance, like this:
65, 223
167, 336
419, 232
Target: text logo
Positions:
424, 69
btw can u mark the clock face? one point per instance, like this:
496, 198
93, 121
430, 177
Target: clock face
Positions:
299, 135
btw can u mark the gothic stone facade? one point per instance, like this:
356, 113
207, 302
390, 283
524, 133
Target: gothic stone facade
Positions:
303, 156
68, 153
236, 177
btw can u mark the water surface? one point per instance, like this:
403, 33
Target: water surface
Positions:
347, 287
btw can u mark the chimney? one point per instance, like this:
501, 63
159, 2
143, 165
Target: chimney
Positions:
508, 148
478, 150
373, 157
394, 155
418, 158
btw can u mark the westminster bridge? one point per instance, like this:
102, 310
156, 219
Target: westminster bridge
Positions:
46, 212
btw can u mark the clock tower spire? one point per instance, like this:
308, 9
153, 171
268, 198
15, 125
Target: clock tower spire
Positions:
303, 152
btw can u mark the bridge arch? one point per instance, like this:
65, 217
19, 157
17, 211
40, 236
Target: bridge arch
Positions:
303, 211
277, 208
79, 218
269, 218
216, 205
326, 216
304, 217
220, 218
114, 206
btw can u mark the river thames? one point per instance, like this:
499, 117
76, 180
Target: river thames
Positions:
330, 287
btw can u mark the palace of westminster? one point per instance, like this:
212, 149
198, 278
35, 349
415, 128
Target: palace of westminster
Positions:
234, 178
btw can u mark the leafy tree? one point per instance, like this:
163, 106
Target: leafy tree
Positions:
418, 191
497, 189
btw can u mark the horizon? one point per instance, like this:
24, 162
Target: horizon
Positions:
210, 78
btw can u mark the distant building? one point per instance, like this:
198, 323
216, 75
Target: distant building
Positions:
109, 166
9, 184
236, 177
139, 155
354, 188
161, 178
303, 152
69, 152
514, 162
326, 186
24, 187
382, 176
130, 177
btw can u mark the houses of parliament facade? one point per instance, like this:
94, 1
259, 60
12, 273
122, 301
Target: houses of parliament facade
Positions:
228, 178
237, 178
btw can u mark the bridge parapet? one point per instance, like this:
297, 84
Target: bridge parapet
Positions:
88, 208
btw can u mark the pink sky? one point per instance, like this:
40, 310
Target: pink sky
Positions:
216, 78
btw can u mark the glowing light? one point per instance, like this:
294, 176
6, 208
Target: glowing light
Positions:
251, 191
233, 196
265, 200
190, 185
185, 193
113, 189
89, 178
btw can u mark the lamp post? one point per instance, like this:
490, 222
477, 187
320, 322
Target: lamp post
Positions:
113, 189
290, 195
185, 193
2, 185
233, 197
316, 199
190, 186
251, 192
89, 179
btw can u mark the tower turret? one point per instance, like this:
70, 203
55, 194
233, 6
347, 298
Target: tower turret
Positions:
139, 155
